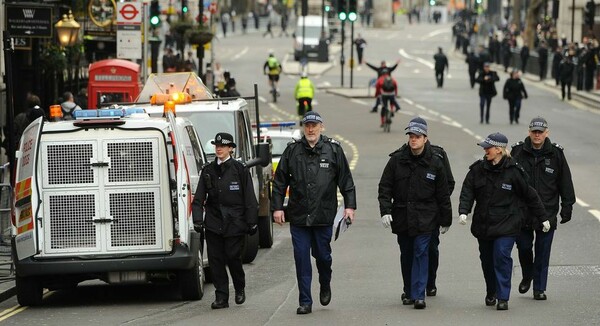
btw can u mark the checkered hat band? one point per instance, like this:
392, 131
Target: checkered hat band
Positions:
495, 143
538, 124
417, 129
312, 117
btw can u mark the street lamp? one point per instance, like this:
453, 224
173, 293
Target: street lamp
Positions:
68, 30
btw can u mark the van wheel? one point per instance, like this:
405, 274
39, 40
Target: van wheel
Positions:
191, 281
265, 231
250, 248
29, 291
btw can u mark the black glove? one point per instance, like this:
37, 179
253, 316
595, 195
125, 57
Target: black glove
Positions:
252, 229
198, 227
564, 219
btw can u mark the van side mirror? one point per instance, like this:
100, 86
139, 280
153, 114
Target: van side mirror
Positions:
263, 157
294, 34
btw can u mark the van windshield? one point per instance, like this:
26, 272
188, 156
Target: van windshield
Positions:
208, 124
311, 31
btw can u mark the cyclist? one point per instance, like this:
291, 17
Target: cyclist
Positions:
382, 70
273, 68
387, 88
304, 93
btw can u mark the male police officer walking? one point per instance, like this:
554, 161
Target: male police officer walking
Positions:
312, 167
441, 64
434, 253
225, 192
549, 174
414, 200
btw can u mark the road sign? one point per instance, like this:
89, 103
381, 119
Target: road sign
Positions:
29, 21
129, 13
212, 7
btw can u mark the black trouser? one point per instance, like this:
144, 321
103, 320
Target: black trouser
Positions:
359, 52
484, 101
434, 258
225, 252
472, 77
514, 110
302, 107
543, 69
439, 77
562, 87
524, 65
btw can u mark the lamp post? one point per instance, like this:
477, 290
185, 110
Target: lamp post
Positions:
68, 30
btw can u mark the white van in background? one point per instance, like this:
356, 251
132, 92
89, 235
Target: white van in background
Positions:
311, 26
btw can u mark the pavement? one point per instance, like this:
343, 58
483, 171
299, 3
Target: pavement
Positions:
7, 275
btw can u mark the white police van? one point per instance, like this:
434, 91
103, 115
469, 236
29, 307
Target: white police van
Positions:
107, 196
189, 98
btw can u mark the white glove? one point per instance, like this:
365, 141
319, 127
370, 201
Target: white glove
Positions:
386, 220
545, 226
462, 219
444, 229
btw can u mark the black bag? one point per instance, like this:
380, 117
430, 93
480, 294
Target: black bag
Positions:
388, 84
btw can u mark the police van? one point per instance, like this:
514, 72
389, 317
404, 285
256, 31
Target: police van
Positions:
189, 98
107, 196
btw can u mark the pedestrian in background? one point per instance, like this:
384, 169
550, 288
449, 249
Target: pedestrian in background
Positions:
514, 92
434, 253
524, 56
225, 20
543, 60
68, 106
226, 206
313, 168
360, 44
550, 176
565, 72
506, 53
487, 90
556, 59
498, 186
441, 64
473, 62
414, 201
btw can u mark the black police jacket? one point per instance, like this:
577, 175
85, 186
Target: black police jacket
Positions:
414, 190
488, 86
550, 176
225, 199
313, 176
514, 89
498, 191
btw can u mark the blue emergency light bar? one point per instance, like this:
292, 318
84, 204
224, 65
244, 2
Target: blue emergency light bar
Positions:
277, 124
106, 113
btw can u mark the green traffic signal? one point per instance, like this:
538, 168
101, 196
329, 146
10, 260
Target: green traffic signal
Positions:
184, 9
154, 20
342, 16
352, 16
432, 2
327, 8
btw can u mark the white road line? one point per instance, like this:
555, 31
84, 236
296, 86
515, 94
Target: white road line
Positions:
596, 213
468, 131
435, 33
419, 60
361, 102
408, 101
421, 107
581, 202
239, 55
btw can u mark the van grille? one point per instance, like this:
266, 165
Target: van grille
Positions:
130, 162
135, 219
77, 171
71, 221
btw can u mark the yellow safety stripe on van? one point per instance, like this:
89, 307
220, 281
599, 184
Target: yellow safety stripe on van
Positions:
23, 189
25, 216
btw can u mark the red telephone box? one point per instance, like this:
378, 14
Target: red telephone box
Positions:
113, 80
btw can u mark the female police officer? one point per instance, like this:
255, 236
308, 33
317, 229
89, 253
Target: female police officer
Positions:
226, 194
497, 183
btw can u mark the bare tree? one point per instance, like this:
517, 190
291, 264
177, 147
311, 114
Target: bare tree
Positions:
531, 21
516, 11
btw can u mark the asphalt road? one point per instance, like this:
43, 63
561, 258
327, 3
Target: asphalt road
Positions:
366, 281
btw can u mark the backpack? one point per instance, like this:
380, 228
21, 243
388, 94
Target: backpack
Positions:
388, 85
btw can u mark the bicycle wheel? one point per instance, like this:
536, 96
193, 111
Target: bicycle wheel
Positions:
388, 121
274, 92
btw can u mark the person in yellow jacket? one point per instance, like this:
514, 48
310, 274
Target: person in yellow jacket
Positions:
305, 91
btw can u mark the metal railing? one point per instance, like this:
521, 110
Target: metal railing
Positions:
6, 264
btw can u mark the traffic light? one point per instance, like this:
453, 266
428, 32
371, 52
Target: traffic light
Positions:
154, 13
184, 6
327, 8
432, 3
304, 7
589, 13
341, 10
352, 10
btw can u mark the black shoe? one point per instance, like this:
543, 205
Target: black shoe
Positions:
490, 300
502, 305
240, 297
374, 110
432, 292
420, 304
304, 309
219, 304
408, 301
524, 285
403, 296
539, 295
325, 295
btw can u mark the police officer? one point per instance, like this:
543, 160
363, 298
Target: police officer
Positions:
313, 167
434, 253
225, 197
441, 64
497, 184
304, 93
549, 174
414, 200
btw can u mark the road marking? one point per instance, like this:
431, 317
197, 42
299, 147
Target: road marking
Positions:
286, 114
596, 213
262, 99
416, 71
354, 149
581, 202
419, 60
361, 102
239, 55
11, 312
408, 101
435, 33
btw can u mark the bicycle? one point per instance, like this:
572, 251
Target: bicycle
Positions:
274, 92
386, 117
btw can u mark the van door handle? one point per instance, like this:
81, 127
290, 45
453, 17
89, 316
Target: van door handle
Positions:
97, 164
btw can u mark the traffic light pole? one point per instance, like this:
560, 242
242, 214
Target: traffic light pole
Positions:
351, 53
342, 59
